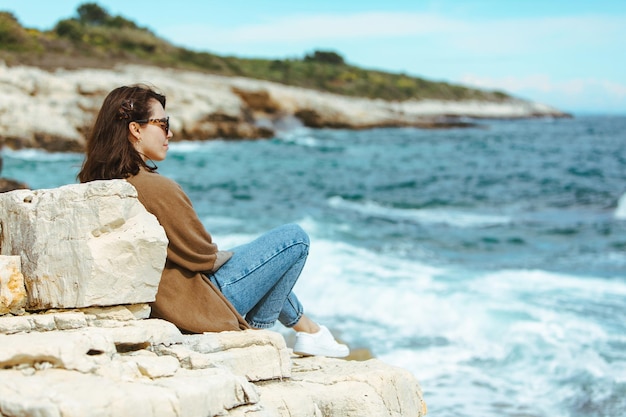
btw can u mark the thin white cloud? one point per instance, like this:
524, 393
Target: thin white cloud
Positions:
579, 94
546, 84
356, 26
484, 36
539, 34
320, 27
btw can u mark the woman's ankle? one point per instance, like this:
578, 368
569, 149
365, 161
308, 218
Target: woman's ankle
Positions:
306, 325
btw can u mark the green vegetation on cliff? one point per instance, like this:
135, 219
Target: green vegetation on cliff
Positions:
94, 38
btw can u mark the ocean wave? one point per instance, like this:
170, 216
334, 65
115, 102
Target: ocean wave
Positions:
39, 155
344, 280
306, 138
289, 125
538, 281
300, 139
454, 218
620, 211
512, 325
188, 146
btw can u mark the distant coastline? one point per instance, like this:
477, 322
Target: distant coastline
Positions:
53, 110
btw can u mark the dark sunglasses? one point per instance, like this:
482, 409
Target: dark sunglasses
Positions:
163, 123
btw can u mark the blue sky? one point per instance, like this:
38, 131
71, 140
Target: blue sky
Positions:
566, 53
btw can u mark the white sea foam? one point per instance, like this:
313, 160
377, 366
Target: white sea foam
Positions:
231, 240
466, 334
300, 138
289, 125
341, 283
454, 218
540, 281
620, 211
189, 146
502, 336
39, 155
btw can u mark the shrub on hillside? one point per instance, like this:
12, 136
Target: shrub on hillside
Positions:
327, 57
12, 35
70, 29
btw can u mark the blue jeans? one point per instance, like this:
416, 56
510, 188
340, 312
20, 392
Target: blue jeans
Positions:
259, 278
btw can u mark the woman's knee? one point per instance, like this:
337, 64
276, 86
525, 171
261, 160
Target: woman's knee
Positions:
296, 233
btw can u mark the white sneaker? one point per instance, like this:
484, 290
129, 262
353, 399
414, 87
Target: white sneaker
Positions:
321, 343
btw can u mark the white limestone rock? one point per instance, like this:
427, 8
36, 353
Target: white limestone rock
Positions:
150, 332
209, 392
57, 392
70, 320
256, 354
140, 368
12, 290
39, 322
83, 351
152, 365
117, 313
344, 388
17, 324
139, 311
83, 245
89, 348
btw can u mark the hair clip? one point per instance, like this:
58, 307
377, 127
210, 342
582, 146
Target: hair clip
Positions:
125, 109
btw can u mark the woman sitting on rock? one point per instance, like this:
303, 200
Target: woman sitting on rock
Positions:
202, 288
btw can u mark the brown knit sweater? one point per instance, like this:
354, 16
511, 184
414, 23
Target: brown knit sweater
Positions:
185, 297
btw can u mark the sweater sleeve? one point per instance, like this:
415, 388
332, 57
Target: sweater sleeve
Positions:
190, 245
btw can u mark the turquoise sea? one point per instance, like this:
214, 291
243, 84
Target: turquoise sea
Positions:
488, 261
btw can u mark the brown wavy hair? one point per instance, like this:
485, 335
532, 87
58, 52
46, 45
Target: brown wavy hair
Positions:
109, 153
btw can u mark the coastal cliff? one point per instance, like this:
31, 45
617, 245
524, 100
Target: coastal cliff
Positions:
70, 346
54, 110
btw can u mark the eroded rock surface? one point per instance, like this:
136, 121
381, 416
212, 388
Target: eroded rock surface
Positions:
111, 362
80, 241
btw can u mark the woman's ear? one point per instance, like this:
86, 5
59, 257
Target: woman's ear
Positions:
134, 132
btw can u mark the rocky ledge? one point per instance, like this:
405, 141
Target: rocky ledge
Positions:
79, 266
54, 110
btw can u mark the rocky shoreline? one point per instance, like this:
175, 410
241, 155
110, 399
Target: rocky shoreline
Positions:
54, 110
70, 346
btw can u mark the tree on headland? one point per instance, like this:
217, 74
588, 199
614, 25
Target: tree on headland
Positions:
92, 18
328, 57
92, 14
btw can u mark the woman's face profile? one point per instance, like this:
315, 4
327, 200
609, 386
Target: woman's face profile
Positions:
151, 139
